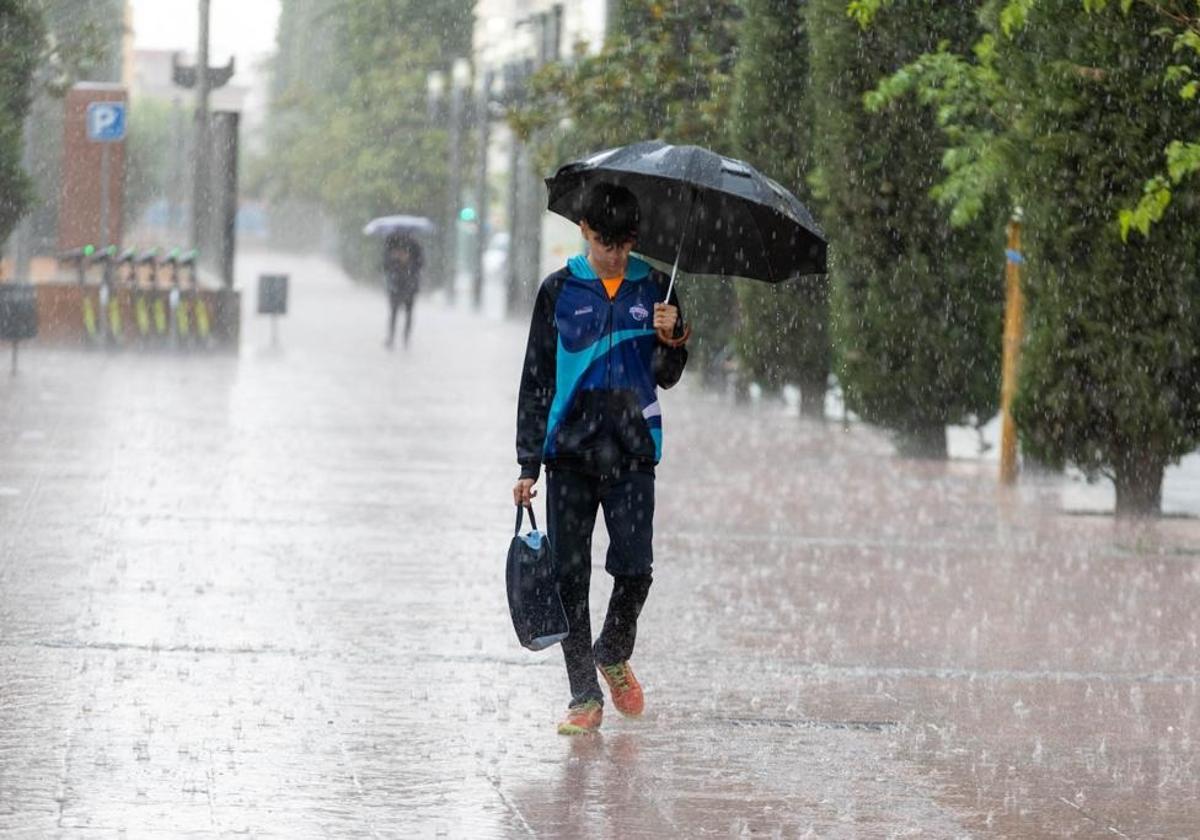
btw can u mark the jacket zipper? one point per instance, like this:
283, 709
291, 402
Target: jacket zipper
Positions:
608, 373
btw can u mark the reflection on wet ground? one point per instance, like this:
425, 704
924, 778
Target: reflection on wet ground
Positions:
263, 596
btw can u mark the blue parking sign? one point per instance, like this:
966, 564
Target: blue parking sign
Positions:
106, 121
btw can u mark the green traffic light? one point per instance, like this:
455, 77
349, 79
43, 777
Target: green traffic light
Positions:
467, 214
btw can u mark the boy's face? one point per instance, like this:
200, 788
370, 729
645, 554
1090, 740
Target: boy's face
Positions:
609, 260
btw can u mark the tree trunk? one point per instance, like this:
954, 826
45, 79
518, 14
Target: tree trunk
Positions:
812, 399
926, 442
1139, 485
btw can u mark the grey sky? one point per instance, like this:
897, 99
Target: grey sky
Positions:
245, 28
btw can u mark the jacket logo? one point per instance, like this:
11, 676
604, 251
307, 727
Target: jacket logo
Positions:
639, 312
583, 310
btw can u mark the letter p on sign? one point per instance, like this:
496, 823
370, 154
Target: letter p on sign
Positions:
106, 121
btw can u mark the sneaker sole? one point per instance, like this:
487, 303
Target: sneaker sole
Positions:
570, 729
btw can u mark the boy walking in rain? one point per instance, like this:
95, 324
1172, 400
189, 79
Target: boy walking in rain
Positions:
600, 343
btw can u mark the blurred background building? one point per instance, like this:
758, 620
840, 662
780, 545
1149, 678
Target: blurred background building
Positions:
512, 39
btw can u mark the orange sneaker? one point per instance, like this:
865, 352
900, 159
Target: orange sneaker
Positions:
583, 719
625, 689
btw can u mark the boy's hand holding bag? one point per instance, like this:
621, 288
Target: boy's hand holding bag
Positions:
533, 601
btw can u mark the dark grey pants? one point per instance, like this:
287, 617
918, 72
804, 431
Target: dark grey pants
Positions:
395, 301
572, 500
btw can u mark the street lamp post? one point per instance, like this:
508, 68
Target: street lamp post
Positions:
435, 87
490, 90
200, 190
460, 77
435, 91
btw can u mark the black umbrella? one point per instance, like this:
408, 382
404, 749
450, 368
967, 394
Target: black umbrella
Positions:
702, 212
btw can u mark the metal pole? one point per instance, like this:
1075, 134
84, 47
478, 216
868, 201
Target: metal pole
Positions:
512, 291
103, 239
177, 186
456, 116
200, 184
481, 189
22, 242
532, 201
14, 358
1014, 316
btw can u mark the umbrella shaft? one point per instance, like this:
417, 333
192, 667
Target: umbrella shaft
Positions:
687, 225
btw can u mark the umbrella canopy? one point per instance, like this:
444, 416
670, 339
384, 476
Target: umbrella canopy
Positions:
702, 212
387, 225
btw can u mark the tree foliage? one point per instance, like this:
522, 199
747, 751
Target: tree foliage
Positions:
783, 334
147, 155
966, 91
1062, 107
351, 130
916, 301
22, 32
50, 44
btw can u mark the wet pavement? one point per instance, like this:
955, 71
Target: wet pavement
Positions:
262, 596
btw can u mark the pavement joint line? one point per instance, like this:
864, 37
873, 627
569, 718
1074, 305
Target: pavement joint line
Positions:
707, 537
809, 723
1153, 678
820, 668
469, 659
362, 794
151, 648
509, 804
1109, 827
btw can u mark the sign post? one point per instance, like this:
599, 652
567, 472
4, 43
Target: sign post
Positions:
273, 300
105, 125
1014, 331
18, 315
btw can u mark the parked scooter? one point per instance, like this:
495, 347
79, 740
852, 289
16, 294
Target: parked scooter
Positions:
176, 319
125, 277
81, 259
108, 314
200, 321
145, 279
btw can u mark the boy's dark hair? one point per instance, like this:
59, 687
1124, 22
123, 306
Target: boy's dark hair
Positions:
612, 212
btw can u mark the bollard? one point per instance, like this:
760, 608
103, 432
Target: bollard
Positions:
1014, 316
18, 315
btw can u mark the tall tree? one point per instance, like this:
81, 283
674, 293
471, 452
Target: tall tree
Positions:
80, 39
665, 72
1061, 107
916, 302
22, 32
783, 334
1177, 44
350, 104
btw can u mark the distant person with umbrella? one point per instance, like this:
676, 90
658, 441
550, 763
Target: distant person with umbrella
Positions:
602, 340
402, 262
587, 407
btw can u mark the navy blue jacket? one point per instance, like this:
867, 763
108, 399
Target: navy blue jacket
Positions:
588, 398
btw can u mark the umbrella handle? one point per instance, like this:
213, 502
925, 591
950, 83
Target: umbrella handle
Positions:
681, 340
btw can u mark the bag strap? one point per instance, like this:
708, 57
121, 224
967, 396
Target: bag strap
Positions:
520, 513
